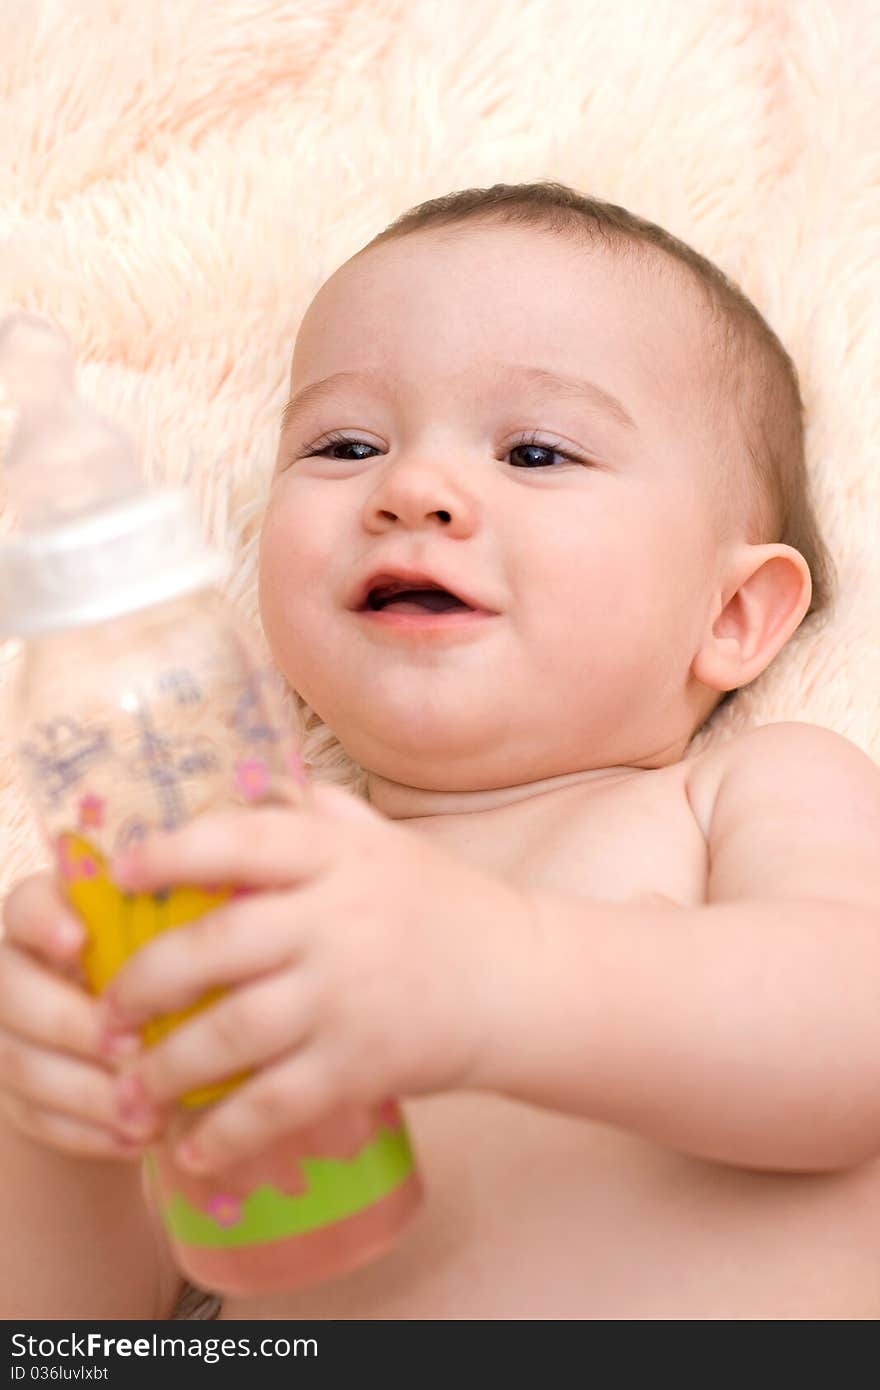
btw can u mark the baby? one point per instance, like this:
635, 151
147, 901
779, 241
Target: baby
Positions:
524, 534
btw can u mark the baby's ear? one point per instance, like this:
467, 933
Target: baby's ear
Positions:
343, 804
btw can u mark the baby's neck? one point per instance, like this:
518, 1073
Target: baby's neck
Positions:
399, 802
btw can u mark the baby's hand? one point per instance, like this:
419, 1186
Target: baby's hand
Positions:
57, 1082
373, 963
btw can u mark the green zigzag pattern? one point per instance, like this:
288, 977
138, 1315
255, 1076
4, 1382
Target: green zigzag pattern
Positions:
336, 1188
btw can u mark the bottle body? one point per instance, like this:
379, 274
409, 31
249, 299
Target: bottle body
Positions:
135, 725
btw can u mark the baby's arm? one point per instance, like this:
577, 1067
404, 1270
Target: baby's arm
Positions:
746, 1030
78, 1239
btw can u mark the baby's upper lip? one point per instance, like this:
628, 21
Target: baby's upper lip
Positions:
407, 578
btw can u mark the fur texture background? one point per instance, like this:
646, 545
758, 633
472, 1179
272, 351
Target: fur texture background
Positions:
178, 178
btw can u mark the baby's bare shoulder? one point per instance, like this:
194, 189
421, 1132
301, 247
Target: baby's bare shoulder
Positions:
789, 809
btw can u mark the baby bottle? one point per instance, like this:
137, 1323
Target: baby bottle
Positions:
140, 702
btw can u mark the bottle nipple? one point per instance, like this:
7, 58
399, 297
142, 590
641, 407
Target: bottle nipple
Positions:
58, 456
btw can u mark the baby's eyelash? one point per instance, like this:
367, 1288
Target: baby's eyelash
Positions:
552, 446
334, 437
530, 440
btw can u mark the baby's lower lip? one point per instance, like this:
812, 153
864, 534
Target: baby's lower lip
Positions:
453, 617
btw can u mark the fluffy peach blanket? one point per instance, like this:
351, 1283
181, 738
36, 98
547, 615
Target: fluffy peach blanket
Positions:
177, 179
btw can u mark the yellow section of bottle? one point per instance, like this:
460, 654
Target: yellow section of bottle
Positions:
119, 923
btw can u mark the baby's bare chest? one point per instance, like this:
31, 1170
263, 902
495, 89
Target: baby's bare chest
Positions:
534, 1214
636, 839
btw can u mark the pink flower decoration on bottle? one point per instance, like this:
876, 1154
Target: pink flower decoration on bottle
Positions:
91, 810
251, 778
224, 1208
70, 868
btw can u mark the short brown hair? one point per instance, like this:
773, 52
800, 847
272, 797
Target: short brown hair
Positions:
753, 383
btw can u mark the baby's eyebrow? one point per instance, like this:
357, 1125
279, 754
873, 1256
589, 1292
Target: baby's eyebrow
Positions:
317, 391
577, 387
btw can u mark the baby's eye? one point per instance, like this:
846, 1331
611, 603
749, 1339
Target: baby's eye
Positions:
336, 441
531, 445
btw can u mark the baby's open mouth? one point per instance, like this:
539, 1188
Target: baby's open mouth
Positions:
413, 600
405, 590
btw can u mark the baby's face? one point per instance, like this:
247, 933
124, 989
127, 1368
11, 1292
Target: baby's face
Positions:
583, 524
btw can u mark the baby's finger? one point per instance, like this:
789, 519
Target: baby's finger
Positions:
261, 847
293, 1094
243, 938
77, 1137
44, 1009
37, 919
249, 1026
52, 1081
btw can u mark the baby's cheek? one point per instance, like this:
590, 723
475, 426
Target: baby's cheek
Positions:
278, 586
